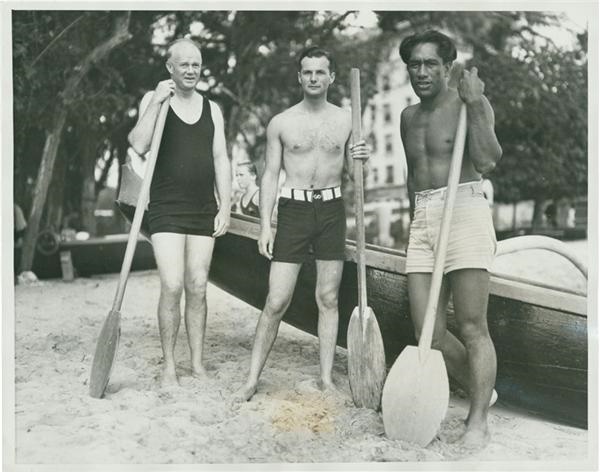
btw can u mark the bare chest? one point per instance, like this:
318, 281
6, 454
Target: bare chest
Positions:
320, 136
431, 135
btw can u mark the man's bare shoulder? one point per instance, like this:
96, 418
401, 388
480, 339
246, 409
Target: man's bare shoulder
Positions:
341, 113
409, 112
277, 121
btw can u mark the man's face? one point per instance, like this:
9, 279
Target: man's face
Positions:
426, 70
184, 66
315, 76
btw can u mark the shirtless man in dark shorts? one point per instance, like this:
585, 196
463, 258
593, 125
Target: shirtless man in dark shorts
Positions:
184, 216
310, 141
427, 130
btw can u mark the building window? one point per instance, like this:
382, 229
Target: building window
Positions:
389, 175
385, 82
408, 101
387, 114
375, 173
373, 111
373, 143
389, 147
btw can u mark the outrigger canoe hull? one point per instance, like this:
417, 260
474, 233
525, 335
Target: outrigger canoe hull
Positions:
540, 334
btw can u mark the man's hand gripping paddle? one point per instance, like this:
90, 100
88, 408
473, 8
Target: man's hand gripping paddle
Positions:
416, 393
366, 356
108, 341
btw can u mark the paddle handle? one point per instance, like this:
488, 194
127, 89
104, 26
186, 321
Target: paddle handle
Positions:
141, 204
442, 242
359, 196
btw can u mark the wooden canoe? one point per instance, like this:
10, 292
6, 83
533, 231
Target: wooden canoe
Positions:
540, 331
97, 255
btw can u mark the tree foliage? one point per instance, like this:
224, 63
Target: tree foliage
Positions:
538, 92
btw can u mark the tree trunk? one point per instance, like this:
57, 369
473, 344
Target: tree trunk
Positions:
56, 195
41, 189
538, 213
120, 35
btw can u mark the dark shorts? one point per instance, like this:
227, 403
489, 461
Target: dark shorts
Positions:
198, 224
305, 228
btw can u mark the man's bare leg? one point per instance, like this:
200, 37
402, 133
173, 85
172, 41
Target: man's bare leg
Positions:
329, 277
282, 281
169, 251
454, 352
198, 254
470, 290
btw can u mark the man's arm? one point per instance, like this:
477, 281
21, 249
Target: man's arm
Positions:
404, 118
268, 186
222, 171
140, 136
483, 147
270, 178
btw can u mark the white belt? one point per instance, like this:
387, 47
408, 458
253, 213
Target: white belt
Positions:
310, 195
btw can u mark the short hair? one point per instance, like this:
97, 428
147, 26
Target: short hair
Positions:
249, 165
316, 51
174, 43
445, 46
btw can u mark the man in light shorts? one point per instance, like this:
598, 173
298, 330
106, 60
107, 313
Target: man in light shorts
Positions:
428, 130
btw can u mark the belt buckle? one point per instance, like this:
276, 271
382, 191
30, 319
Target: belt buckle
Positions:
316, 195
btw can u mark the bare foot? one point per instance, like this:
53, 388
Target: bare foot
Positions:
200, 373
329, 387
243, 394
169, 378
474, 439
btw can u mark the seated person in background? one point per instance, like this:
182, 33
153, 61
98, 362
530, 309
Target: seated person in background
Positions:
246, 179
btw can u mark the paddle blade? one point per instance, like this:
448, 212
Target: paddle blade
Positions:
366, 359
106, 351
415, 396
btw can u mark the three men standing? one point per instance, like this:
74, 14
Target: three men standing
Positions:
310, 141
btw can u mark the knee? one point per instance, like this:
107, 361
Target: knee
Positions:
473, 332
171, 288
276, 305
327, 300
196, 285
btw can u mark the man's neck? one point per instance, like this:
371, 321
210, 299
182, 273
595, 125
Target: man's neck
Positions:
314, 104
431, 103
185, 94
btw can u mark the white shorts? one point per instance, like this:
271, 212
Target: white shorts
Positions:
472, 239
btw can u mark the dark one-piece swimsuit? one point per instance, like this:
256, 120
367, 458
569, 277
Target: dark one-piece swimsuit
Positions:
182, 197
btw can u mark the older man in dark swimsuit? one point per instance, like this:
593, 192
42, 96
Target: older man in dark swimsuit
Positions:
184, 216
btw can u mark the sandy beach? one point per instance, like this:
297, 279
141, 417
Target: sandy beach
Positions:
288, 421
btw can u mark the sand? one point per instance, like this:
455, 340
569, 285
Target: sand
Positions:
288, 421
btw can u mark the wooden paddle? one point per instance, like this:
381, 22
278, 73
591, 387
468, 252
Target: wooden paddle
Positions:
416, 393
366, 356
108, 341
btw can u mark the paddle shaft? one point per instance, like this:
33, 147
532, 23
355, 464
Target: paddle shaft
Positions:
359, 198
442, 242
141, 204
